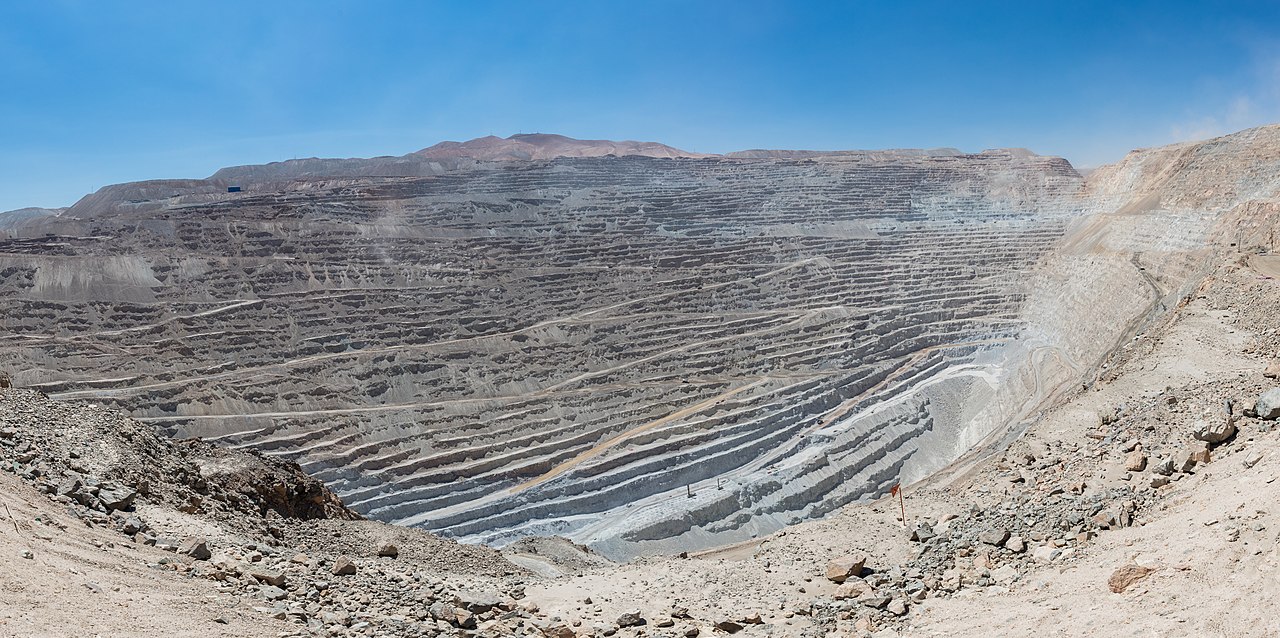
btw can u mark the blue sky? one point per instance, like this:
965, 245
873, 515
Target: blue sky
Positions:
100, 92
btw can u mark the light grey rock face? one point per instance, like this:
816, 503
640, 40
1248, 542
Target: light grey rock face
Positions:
640, 354
1268, 405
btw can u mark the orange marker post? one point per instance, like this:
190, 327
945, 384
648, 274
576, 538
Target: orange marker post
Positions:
896, 490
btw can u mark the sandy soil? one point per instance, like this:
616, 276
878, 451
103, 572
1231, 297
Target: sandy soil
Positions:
85, 581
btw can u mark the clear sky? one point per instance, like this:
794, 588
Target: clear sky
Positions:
99, 92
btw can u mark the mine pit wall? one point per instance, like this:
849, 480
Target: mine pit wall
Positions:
1121, 266
876, 258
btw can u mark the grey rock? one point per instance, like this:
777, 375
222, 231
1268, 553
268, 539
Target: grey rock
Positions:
1163, 466
1268, 405
994, 536
68, 486
922, 533
874, 601
478, 601
117, 497
1184, 461
196, 548
132, 525
1214, 430
271, 592
630, 619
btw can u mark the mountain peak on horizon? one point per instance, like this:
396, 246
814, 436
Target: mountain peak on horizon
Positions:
541, 146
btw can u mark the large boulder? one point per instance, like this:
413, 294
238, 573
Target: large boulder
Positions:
1268, 405
117, 497
844, 567
1214, 430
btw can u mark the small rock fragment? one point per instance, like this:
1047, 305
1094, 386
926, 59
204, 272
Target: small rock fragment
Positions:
630, 619
344, 566
1135, 461
1126, 575
994, 536
195, 547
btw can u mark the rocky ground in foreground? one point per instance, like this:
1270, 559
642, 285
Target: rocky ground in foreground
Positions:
1141, 506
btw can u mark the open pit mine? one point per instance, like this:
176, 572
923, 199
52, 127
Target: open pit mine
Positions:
641, 349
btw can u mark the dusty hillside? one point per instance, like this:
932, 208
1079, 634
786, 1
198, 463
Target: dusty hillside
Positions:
111, 530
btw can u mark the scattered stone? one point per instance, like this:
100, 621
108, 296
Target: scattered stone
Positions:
194, 547
1272, 370
843, 567
1126, 575
995, 537
853, 588
117, 497
344, 566
272, 592
1252, 458
1200, 452
1005, 574
1268, 405
897, 607
268, 576
753, 618
1184, 461
1045, 553
132, 525
1135, 461
26, 553
729, 626
630, 619
388, 550
1016, 544
922, 533
559, 630
1163, 467
874, 601
1216, 431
